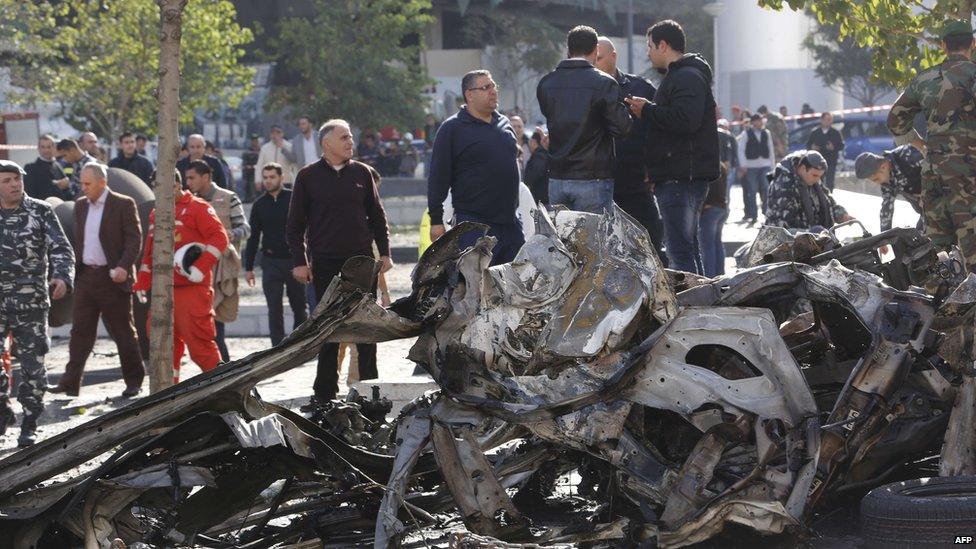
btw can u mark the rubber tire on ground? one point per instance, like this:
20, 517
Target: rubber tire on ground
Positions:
928, 512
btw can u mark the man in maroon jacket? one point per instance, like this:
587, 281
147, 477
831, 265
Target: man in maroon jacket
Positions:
335, 214
107, 240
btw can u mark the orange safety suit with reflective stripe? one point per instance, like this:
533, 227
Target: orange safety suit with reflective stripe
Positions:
193, 315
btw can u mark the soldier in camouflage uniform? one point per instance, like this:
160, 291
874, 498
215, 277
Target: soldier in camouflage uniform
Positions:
944, 94
778, 130
899, 172
797, 197
34, 256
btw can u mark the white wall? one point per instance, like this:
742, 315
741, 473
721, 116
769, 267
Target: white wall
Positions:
761, 60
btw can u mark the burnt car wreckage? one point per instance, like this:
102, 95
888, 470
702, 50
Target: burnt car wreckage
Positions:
682, 404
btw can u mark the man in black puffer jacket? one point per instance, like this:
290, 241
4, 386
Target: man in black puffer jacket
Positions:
584, 111
681, 149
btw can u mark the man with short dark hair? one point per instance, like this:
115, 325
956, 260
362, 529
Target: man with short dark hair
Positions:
584, 112
536, 176
196, 147
305, 145
199, 240
898, 172
797, 197
36, 261
44, 176
335, 214
826, 140
73, 159
757, 157
632, 190
141, 142
475, 158
249, 161
269, 215
230, 211
107, 241
130, 160
681, 148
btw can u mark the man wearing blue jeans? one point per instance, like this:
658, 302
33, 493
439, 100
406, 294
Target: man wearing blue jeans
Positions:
682, 146
756, 159
584, 112
475, 157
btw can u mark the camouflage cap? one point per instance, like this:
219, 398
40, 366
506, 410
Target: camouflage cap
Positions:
813, 159
867, 164
956, 26
9, 166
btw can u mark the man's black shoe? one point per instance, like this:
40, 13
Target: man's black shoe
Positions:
130, 392
6, 418
28, 431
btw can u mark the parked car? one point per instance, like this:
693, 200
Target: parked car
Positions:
862, 133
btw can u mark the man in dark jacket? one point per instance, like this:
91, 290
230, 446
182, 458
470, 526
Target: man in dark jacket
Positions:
632, 190
130, 160
335, 214
475, 157
196, 145
536, 176
584, 112
830, 143
681, 147
44, 176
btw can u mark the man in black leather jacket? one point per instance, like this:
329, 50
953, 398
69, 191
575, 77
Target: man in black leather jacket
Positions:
632, 190
681, 149
584, 112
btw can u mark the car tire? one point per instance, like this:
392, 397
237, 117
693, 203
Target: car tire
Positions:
929, 512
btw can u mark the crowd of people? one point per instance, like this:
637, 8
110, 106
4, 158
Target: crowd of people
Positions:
661, 154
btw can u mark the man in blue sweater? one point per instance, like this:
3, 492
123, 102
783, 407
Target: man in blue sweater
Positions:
475, 157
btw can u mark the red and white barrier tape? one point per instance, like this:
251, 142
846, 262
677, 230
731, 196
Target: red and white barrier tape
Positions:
816, 115
4, 147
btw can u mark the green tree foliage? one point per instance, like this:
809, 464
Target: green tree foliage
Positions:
843, 64
521, 48
355, 60
100, 59
903, 34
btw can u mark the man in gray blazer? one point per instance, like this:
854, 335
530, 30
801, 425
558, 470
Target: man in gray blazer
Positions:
305, 145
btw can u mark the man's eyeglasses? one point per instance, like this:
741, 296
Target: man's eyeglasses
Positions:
487, 87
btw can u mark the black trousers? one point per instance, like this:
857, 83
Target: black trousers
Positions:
326, 385
221, 342
276, 280
642, 206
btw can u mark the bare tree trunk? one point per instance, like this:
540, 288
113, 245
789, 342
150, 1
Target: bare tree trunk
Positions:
161, 311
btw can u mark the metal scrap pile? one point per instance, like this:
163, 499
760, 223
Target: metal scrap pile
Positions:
679, 404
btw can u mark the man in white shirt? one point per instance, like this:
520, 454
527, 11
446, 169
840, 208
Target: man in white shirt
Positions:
305, 144
756, 159
107, 241
280, 151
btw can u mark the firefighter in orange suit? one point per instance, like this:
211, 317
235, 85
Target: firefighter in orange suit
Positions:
199, 241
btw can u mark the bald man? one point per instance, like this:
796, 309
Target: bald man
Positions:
197, 146
632, 190
89, 143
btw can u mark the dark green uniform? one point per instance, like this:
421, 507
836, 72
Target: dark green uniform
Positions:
944, 95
